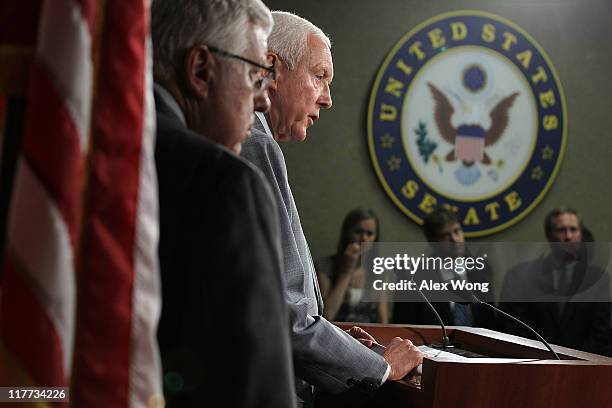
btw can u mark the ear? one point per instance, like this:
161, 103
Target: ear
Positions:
198, 70
274, 61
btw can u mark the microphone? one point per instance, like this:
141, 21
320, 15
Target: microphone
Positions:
467, 296
445, 340
474, 299
525, 325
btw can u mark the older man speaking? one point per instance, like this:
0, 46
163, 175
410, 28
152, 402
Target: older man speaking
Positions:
323, 355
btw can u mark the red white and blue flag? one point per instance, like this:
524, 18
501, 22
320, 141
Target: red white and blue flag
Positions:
80, 284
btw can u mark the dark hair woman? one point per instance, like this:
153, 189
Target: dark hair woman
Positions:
341, 277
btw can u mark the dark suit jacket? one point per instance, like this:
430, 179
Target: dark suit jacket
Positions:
581, 325
224, 329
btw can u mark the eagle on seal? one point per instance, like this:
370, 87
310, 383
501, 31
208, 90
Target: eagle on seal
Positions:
472, 133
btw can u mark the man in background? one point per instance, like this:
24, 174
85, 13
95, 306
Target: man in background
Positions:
442, 228
323, 355
565, 272
223, 329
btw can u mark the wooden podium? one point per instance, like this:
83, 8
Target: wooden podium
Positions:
516, 372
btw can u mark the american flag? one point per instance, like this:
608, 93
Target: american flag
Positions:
2, 109
80, 284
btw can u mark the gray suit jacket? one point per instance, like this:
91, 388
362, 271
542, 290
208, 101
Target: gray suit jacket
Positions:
323, 355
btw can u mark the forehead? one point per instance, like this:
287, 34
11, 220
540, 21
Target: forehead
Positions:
366, 223
318, 55
566, 220
446, 228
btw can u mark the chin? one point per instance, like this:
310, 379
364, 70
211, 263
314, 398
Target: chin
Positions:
299, 135
237, 148
293, 137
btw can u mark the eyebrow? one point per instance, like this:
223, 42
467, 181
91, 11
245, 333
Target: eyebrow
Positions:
325, 67
326, 74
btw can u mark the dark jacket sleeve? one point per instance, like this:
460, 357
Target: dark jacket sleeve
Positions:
599, 332
224, 328
249, 302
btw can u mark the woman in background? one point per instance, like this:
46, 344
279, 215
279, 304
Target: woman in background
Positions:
341, 277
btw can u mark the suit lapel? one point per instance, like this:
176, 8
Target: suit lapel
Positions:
264, 128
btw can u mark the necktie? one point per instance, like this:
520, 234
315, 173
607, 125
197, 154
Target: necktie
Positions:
462, 315
563, 287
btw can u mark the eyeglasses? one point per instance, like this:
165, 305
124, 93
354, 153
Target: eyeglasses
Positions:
264, 75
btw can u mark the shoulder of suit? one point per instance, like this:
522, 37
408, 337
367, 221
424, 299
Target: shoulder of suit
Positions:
263, 151
185, 148
258, 140
527, 270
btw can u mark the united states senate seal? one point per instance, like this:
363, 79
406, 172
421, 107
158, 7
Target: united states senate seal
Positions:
468, 112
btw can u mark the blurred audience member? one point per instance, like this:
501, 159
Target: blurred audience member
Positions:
341, 276
442, 227
564, 272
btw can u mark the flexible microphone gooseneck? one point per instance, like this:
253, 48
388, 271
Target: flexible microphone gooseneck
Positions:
445, 340
480, 302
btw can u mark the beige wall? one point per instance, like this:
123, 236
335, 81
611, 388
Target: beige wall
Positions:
331, 172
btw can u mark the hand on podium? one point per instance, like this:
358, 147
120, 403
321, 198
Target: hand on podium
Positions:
363, 336
402, 356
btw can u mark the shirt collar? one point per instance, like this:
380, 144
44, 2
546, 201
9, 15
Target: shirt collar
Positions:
170, 102
264, 122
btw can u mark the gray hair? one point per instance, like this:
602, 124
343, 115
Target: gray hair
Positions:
177, 25
289, 37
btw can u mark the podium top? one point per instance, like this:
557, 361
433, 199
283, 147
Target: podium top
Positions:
479, 342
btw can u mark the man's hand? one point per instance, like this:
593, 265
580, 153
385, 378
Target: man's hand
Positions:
363, 336
402, 356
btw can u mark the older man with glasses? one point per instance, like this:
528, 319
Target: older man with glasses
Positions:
224, 326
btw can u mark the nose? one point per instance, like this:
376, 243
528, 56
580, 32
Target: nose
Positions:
455, 237
261, 102
325, 100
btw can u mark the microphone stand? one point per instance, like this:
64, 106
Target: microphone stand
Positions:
445, 340
525, 325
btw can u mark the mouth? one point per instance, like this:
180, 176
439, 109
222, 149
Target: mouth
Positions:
312, 119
